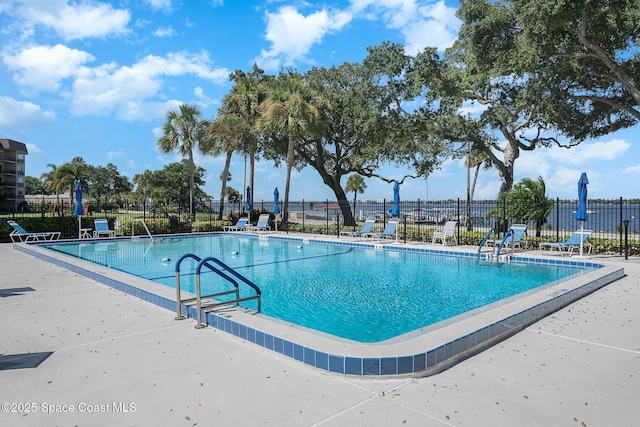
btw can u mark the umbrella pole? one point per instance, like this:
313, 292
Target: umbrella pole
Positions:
581, 234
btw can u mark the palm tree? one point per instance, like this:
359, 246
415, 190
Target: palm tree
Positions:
183, 131
356, 184
69, 173
225, 134
476, 159
527, 201
144, 182
50, 180
244, 100
292, 110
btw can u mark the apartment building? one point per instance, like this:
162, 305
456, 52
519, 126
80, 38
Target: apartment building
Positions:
12, 174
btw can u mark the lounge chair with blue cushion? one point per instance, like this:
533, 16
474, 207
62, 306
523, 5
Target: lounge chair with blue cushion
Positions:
515, 236
101, 229
23, 235
448, 231
389, 232
365, 231
241, 225
571, 244
262, 225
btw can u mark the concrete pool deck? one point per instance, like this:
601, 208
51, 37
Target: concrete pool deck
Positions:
132, 364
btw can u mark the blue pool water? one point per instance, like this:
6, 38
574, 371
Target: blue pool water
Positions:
357, 293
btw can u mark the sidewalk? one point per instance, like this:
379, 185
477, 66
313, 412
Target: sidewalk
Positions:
116, 360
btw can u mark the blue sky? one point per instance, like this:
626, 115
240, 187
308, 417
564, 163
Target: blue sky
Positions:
96, 78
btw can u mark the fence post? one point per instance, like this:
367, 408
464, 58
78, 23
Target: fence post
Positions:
458, 225
405, 229
620, 225
557, 219
326, 210
626, 238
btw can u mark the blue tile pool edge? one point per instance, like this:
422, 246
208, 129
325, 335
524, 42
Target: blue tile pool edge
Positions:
429, 362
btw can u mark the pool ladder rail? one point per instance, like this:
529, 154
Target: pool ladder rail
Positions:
221, 270
495, 254
144, 224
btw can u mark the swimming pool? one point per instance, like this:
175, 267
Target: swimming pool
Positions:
425, 351
353, 292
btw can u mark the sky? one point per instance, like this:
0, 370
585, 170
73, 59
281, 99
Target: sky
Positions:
96, 79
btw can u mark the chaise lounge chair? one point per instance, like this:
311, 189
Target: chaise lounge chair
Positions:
239, 226
101, 229
389, 232
515, 237
24, 236
448, 231
571, 243
365, 231
262, 225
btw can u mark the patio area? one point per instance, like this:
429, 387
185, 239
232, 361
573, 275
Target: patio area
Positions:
75, 352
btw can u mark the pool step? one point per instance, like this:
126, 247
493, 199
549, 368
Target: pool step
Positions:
497, 258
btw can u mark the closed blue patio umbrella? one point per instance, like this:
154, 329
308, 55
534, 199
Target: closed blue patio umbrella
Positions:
581, 212
276, 205
77, 209
395, 209
247, 202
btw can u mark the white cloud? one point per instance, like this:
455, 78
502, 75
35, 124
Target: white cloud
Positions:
292, 34
632, 169
42, 68
34, 149
164, 32
434, 26
585, 152
422, 23
561, 167
127, 90
74, 20
114, 154
159, 4
15, 114
204, 100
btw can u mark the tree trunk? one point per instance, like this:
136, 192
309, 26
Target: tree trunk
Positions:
225, 178
252, 169
505, 169
192, 172
343, 202
290, 152
472, 189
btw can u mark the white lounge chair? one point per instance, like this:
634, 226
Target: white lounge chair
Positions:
448, 231
262, 224
23, 235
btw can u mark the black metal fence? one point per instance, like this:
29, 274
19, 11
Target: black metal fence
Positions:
615, 220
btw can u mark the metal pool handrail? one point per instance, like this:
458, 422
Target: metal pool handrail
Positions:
510, 233
491, 231
144, 224
199, 297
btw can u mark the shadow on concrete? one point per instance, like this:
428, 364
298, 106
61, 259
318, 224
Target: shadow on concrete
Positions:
12, 292
23, 361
